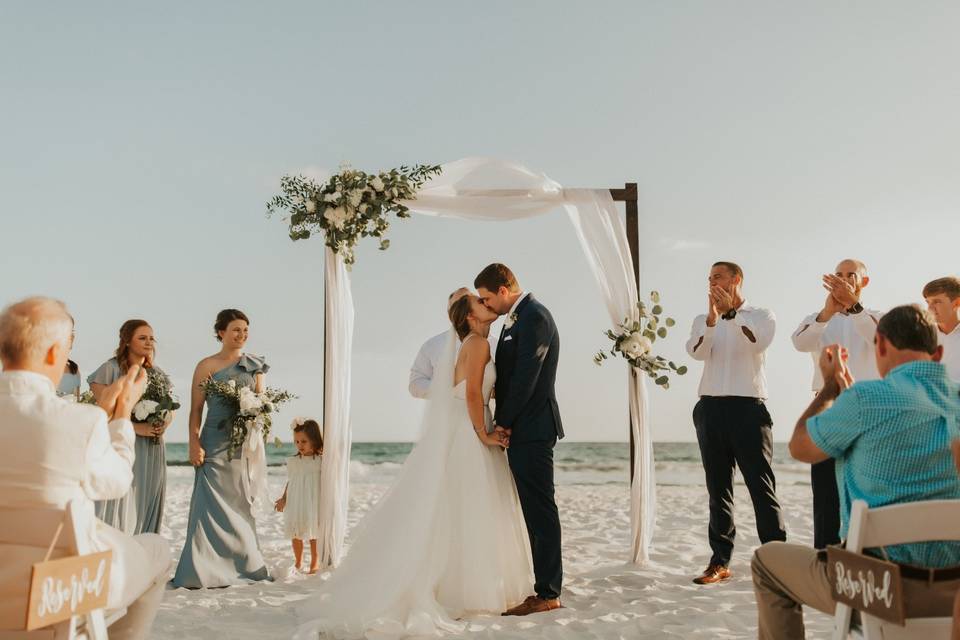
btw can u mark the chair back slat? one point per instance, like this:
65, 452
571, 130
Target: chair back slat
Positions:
912, 522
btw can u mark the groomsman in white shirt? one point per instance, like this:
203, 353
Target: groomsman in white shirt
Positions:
943, 300
733, 425
844, 321
421, 372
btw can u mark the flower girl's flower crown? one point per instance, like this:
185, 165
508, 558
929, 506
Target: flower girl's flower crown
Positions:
297, 422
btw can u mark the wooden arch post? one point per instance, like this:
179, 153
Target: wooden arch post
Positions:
628, 195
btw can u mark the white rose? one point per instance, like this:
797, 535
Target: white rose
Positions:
377, 184
249, 402
311, 206
636, 345
143, 409
332, 197
232, 384
355, 197
363, 208
337, 216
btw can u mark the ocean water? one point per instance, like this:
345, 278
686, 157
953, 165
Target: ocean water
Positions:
677, 463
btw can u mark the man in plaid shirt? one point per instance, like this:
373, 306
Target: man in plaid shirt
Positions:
892, 440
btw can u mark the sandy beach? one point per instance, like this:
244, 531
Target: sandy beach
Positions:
603, 597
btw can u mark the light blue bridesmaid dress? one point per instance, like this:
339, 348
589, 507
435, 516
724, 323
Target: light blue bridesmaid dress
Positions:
141, 510
221, 546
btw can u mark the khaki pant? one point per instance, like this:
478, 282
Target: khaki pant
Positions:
135, 625
786, 576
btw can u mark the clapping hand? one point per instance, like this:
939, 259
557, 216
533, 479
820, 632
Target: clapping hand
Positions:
833, 367
842, 291
119, 398
722, 299
281, 503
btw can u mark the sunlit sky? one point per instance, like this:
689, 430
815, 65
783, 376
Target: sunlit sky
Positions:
140, 144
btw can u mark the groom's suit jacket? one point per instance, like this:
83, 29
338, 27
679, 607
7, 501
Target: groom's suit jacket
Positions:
526, 361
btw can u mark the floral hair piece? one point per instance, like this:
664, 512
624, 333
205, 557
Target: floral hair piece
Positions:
297, 422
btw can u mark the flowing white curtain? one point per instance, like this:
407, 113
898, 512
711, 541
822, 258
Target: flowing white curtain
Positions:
335, 472
495, 190
604, 240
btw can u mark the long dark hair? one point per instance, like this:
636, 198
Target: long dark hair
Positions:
73, 367
127, 329
312, 430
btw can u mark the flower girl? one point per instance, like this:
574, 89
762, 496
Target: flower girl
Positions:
300, 502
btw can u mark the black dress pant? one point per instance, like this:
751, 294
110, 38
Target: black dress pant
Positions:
737, 431
826, 504
532, 467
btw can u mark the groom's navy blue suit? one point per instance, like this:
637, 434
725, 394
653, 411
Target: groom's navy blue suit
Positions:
526, 360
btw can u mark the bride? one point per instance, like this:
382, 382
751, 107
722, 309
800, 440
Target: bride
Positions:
448, 538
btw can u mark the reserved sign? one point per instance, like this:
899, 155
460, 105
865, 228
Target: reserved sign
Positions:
867, 584
67, 587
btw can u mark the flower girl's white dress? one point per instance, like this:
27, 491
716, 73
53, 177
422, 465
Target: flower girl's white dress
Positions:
447, 539
301, 516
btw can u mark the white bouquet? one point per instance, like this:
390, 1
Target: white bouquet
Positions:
633, 340
252, 410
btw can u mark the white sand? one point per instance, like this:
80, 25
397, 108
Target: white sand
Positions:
604, 597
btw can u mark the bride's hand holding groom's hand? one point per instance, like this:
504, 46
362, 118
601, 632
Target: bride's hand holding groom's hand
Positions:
502, 435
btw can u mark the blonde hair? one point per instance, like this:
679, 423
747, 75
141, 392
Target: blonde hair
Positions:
31, 326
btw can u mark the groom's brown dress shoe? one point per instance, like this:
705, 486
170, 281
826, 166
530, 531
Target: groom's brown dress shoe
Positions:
712, 574
533, 604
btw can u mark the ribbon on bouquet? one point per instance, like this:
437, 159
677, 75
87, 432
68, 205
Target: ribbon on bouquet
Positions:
253, 458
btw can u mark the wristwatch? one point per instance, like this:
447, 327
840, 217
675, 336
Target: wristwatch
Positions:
856, 308
729, 315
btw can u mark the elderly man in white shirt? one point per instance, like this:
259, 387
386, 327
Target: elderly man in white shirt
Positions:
56, 451
733, 425
943, 300
843, 320
421, 373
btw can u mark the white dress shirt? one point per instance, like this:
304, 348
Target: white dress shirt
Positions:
55, 451
854, 332
421, 373
951, 351
733, 365
523, 294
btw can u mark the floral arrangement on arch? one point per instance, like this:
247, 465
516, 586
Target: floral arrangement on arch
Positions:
633, 340
350, 205
252, 411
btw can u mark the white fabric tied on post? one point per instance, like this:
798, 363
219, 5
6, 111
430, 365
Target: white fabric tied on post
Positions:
494, 190
337, 437
253, 458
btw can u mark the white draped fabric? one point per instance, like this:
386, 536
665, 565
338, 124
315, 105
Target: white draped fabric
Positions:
335, 469
495, 190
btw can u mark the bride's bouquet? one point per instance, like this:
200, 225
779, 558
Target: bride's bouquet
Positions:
252, 411
633, 340
157, 402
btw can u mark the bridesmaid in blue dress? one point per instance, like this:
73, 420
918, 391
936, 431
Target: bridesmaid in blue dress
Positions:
221, 546
141, 510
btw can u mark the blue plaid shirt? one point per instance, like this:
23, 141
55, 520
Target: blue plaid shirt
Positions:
891, 440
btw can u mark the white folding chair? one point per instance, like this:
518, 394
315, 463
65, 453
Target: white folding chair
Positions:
28, 536
898, 524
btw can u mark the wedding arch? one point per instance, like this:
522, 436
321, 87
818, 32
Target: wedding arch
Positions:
495, 190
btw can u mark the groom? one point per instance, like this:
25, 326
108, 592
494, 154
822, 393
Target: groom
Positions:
528, 418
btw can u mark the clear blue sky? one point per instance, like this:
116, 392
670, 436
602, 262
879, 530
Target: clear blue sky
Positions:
140, 143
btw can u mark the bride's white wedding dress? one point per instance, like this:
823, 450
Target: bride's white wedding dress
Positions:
446, 540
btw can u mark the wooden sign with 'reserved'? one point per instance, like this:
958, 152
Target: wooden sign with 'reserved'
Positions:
68, 587
867, 584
